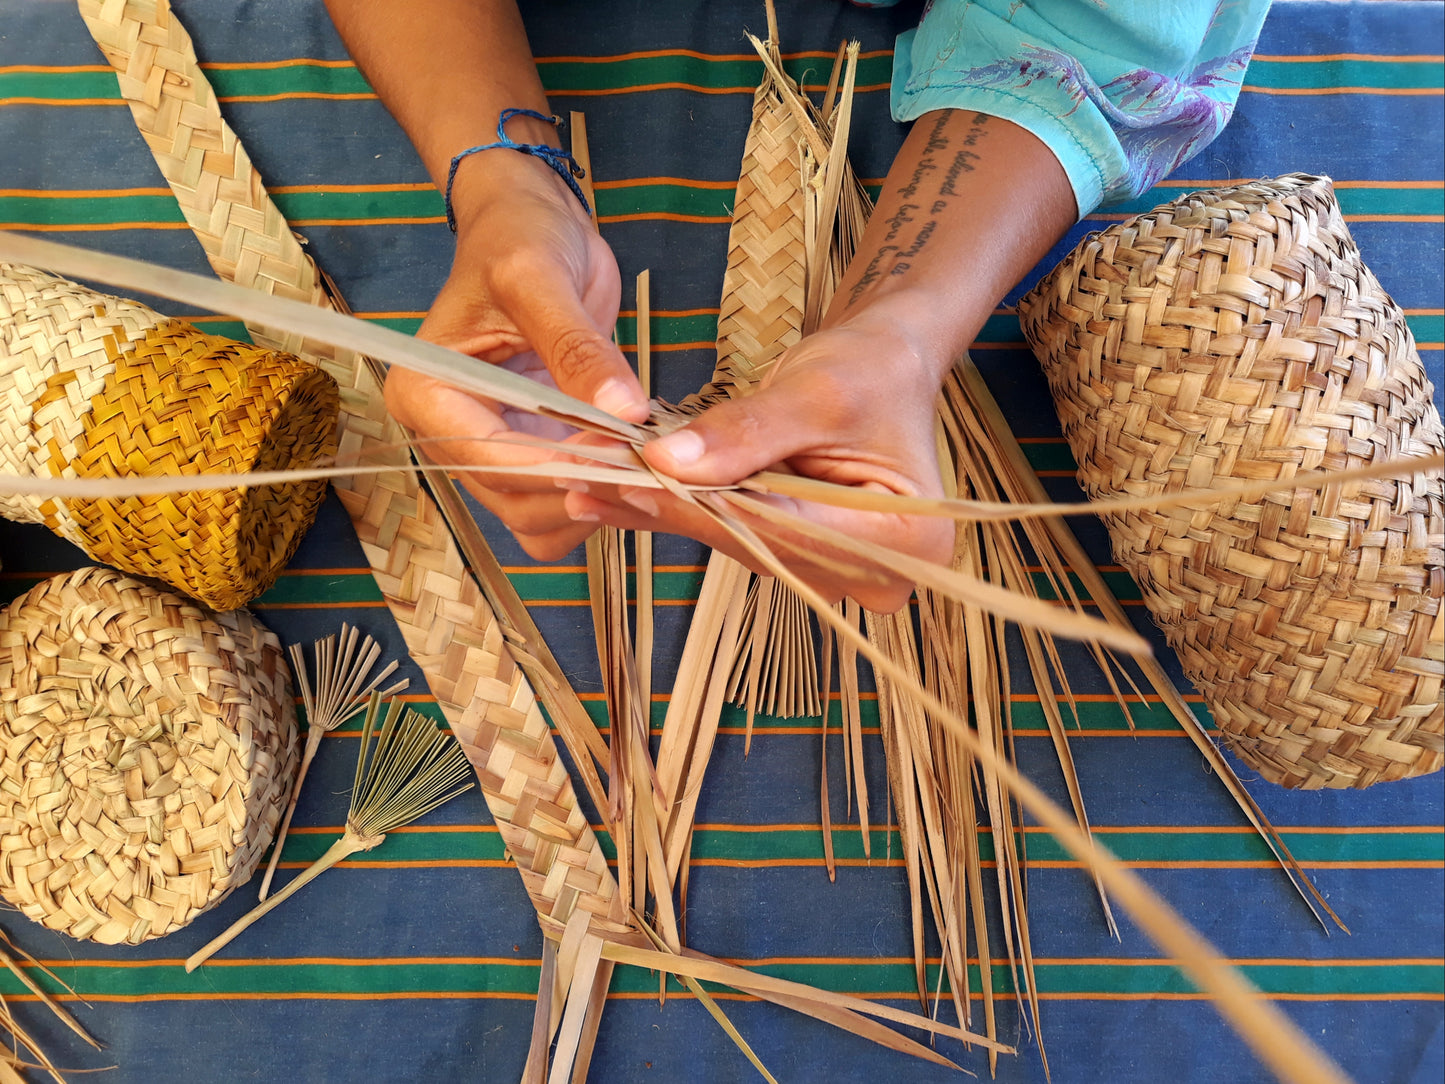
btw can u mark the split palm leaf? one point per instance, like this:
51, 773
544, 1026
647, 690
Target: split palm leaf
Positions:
406, 767
340, 690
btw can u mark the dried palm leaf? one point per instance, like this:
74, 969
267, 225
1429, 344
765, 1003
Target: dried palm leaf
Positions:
410, 770
341, 689
10, 1060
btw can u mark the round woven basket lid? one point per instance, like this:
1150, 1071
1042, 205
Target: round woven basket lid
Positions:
1236, 334
147, 748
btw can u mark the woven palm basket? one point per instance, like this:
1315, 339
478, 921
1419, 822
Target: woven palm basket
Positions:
147, 747
96, 386
1236, 334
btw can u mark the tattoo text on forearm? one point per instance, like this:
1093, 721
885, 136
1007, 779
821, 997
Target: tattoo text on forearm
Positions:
906, 237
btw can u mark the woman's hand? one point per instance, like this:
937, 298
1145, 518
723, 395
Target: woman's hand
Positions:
533, 287
970, 204
854, 404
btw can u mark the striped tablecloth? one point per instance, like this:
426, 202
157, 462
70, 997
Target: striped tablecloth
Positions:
419, 961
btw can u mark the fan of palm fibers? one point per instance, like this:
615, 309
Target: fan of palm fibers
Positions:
943, 797
768, 535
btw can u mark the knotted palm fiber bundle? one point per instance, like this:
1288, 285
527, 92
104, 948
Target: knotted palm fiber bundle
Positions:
1237, 334
146, 750
95, 386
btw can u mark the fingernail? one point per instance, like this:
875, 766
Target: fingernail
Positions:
572, 485
584, 517
639, 499
616, 398
683, 447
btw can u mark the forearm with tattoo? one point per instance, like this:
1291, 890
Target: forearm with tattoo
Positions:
972, 202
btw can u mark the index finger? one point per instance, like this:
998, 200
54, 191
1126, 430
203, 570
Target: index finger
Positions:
546, 308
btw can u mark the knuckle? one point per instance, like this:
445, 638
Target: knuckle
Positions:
574, 353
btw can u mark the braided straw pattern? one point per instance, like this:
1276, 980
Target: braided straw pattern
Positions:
761, 313
95, 387
57, 350
1237, 334
148, 750
450, 630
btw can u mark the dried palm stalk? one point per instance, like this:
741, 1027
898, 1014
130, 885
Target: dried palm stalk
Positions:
341, 689
791, 237
633, 801
410, 770
1236, 333
11, 1060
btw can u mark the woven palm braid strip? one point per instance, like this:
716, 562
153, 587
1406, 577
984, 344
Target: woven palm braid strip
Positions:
761, 312
148, 749
1237, 334
450, 630
92, 386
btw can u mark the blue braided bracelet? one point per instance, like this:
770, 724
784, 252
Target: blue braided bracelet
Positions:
560, 160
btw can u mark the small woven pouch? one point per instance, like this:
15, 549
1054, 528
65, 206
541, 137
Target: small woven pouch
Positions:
93, 386
147, 748
1236, 334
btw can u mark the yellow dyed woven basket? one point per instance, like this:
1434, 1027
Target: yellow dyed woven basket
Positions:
1237, 334
147, 749
94, 386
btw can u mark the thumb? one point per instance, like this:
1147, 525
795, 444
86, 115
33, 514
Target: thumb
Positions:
736, 438
585, 363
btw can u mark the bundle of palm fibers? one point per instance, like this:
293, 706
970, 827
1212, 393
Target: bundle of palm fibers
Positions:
797, 214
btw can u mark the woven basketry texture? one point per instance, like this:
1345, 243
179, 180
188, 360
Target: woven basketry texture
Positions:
148, 749
1237, 334
93, 386
451, 631
761, 313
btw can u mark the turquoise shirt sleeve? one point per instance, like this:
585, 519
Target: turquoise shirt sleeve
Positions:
1122, 91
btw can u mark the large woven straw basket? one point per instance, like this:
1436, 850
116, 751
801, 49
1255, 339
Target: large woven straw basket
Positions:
1237, 334
147, 747
95, 386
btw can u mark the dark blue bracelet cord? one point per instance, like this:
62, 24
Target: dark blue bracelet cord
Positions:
560, 160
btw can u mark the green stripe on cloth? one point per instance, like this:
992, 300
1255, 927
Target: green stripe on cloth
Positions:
680, 198
348, 588
1098, 716
1383, 73
1101, 715
861, 975
1187, 846
737, 73
1364, 200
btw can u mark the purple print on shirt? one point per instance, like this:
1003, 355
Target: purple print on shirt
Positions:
1160, 121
